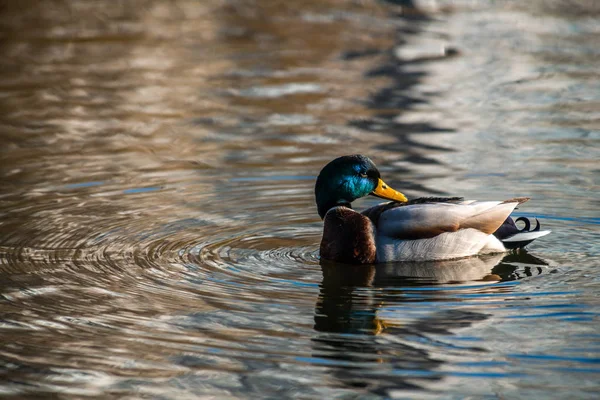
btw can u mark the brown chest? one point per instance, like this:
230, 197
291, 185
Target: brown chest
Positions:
348, 237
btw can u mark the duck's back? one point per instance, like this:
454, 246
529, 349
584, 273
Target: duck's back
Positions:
437, 229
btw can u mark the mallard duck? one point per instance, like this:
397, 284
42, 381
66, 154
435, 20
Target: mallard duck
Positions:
421, 229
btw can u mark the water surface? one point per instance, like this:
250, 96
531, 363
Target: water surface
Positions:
158, 234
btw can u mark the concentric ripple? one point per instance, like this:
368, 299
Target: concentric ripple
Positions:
251, 256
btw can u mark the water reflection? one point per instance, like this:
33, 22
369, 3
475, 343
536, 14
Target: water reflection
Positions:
354, 299
350, 294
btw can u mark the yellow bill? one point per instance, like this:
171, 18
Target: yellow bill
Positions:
385, 192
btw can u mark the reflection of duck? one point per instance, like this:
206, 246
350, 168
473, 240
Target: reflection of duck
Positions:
345, 306
360, 324
472, 269
407, 230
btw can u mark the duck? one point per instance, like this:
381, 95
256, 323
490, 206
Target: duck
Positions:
420, 229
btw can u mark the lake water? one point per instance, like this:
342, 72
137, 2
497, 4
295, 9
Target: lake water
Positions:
158, 233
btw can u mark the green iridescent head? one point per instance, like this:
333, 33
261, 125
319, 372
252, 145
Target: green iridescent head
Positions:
348, 178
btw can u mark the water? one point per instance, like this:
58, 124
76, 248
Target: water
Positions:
158, 236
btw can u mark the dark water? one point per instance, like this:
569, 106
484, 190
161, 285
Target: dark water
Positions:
158, 236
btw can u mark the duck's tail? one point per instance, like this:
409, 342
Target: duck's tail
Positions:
514, 238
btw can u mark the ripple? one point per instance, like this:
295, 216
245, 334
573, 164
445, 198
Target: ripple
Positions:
261, 260
280, 90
